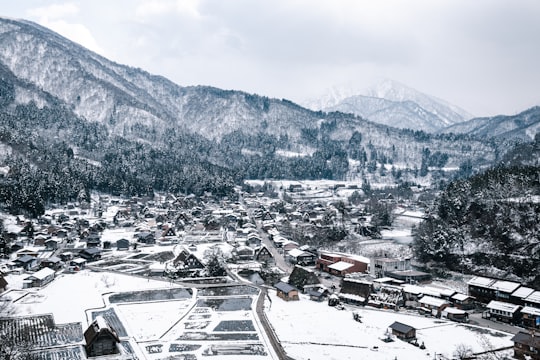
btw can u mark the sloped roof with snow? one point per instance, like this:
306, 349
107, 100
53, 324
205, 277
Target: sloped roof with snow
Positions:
340, 266
522, 292
506, 286
481, 281
432, 301
502, 306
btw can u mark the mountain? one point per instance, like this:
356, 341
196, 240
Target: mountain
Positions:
72, 121
393, 104
523, 126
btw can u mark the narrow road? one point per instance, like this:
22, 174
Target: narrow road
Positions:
276, 344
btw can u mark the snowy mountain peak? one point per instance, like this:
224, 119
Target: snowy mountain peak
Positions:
391, 103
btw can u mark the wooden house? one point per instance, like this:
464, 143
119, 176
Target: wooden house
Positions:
433, 305
91, 254
356, 287
263, 255
487, 289
187, 260
304, 258
122, 244
301, 277
52, 262
243, 253
403, 331
462, 301
51, 244
518, 297
101, 339
286, 292
146, 237
40, 278
503, 311
526, 346
27, 262
530, 317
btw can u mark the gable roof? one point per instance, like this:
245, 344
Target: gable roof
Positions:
284, 287
400, 327
526, 339
99, 327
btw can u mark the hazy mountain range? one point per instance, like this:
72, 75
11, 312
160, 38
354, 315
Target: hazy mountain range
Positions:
390, 103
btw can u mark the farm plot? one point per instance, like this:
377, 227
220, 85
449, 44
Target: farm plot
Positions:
150, 320
151, 295
228, 291
72, 353
226, 304
40, 331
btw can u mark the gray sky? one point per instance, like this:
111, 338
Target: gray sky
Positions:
482, 55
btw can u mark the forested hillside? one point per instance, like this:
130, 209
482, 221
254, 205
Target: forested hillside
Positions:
488, 224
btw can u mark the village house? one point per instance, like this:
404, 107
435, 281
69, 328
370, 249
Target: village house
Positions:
518, 297
462, 301
286, 292
188, 261
341, 264
243, 253
263, 255
526, 346
432, 305
359, 287
530, 317
487, 289
90, 254
101, 339
52, 262
27, 262
403, 332
39, 278
533, 300
380, 266
122, 244
503, 311
455, 314
297, 256
301, 277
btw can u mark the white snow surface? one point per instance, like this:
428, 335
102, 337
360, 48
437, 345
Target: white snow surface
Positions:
311, 330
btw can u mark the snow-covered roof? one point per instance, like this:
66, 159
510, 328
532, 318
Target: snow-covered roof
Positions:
505, 286
522, 292
453, 310
352, 297
502, 306
297, 252
340, 266
42, 274
534, 297
432, 301
460, 297
530, 310
481, 281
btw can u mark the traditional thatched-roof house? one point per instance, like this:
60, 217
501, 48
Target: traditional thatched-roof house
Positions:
100, 338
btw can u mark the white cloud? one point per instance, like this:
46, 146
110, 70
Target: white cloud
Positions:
54, 11
153, 8
54, 17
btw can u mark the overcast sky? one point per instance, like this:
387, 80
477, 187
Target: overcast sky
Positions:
482, 55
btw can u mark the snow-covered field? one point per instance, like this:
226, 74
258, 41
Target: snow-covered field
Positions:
311, 330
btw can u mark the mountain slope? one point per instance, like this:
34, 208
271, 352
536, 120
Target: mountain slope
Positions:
393, 104
523, 126
76, 121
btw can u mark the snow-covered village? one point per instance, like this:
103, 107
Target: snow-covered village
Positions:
273, 180
190, 277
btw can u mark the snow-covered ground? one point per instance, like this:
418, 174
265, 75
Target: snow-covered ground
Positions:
311, 330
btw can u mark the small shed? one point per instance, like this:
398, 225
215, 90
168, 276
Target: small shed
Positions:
286, 292
101, 339
403, 331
